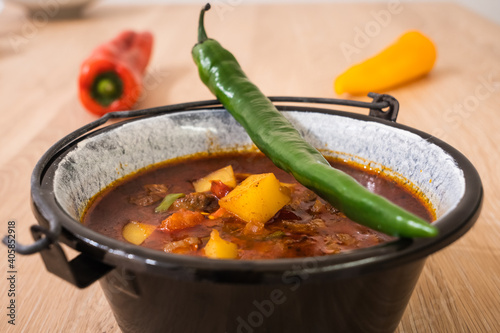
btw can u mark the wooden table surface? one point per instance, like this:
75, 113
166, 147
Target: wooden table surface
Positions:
290, 50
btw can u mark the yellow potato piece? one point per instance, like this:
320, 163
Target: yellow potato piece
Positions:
218, 248
137, 232
225, 175
257, 199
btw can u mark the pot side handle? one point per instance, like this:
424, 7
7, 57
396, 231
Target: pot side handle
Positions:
81, 271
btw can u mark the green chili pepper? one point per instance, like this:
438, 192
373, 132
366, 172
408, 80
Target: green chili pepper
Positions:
276, 137
167, 202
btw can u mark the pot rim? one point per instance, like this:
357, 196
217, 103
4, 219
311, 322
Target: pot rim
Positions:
116, 253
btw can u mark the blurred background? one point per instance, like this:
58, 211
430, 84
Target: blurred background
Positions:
488, 8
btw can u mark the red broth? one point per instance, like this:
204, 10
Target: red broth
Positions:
307, 226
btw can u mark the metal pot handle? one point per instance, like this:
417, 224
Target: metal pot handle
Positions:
377, 106
81, 271
393, 104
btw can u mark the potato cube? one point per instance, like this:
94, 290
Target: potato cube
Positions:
257, 199
225, 175
137, 232
218, 248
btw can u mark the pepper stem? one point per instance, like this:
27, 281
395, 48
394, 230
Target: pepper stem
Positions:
106, 88
202, 35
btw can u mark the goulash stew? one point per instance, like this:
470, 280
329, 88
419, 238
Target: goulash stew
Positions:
237, 206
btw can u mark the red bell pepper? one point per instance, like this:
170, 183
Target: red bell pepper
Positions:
111, 77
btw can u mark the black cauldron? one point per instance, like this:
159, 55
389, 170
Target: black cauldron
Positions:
363, 290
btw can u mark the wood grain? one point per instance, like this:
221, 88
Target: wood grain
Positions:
294, 50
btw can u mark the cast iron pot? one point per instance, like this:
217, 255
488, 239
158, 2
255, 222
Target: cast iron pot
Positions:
364, 290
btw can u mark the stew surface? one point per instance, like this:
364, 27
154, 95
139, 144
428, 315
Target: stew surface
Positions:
305, 226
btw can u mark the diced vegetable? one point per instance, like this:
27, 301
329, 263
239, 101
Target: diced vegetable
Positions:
225, 175
137, 232
256, 199
182, 246
182, 219
218, 248
168, 201
219, 189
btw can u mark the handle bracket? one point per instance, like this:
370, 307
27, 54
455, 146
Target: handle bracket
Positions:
393, 105
82, 271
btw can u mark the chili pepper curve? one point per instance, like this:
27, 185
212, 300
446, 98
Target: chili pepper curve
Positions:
276, 137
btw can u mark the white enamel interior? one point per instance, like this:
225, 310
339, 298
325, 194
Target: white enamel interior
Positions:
104, 158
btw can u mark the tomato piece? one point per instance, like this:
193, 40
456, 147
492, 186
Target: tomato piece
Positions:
219, 189
182, 219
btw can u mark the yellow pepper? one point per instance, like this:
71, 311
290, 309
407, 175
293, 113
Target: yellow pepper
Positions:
408, 58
